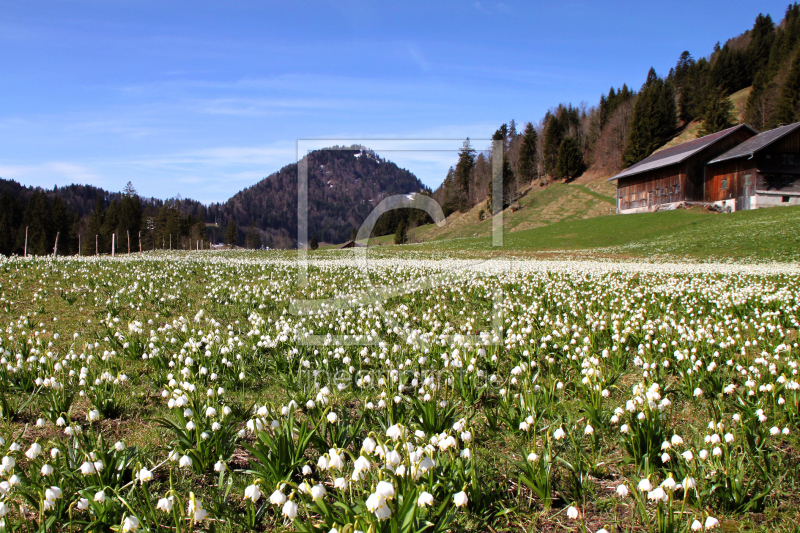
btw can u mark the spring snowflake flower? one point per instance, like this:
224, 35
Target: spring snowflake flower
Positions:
572, 512
332, 417
83, 504
622, 490
385, 490
46, 470
52, 493
289, 510
100, 496
131, 523
340, 483
165, 504
460, 499
252, 493
318, 492
277, 498
711, 522
144, 475
425, 499
645, 485
559, 434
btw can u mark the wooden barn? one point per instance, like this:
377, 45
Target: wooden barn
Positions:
675, 174
763, 171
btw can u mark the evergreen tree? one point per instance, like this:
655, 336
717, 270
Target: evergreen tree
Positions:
253, 239
788, 108
463, 175
8, 225
527, 154
37, 220
570, 159
717, 112
401, 234
762, 38
314, 243
232, 233
553, 135
95, 228
653, 120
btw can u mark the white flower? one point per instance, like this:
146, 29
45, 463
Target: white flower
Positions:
289, 510
425, 499
317, 492
395, 432
340, 483
252, 493
460, 499
164, 504
711, 522
46, 470
697, 525
306, 470
559, 433
100, 496
219, 466
385, 490
368, 445
119, 446
532, 457
622, 490
572, 512
657, 494
94, 414
332, 417
131, 523
83, 504
87, 468
52, 494
34, 451
277, 498
589, 430
645, 485
4, 509
144, 475
185, 461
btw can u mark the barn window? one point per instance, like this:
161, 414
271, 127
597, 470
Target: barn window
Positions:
724, 186
787, 160
785, 199
677, 189
747, 179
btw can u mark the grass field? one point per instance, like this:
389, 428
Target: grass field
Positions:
195, 392
766, 234
599, 381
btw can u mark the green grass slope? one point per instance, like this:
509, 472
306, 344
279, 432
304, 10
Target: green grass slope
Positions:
540, 206
765, 234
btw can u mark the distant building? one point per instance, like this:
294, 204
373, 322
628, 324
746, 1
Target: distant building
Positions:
351, 244
763, 171
675, 174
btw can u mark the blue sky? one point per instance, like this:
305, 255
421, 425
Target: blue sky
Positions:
205, 98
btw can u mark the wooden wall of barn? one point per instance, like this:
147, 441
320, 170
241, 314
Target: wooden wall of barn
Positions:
779, 164
661, 186
731, 175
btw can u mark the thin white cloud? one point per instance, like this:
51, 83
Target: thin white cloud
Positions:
50, 173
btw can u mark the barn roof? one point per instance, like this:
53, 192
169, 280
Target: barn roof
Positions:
677, 154
754, 144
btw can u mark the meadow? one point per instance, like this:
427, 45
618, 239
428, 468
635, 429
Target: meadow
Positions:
225, 391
